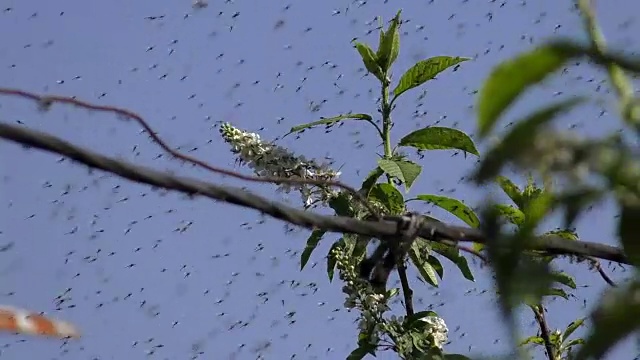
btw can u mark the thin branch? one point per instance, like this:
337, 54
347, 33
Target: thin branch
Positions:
430, 230
406, 289
46, 101
596, 264
538, 310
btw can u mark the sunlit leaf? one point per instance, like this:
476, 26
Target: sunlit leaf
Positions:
312, 243
520, 139
513, 77
406, 171
424, 71
563, 278
389, 44
455, 207
388, 196
572, 328
329, 122
436, 265
512, 190
532, 340
511, 213
439, 138
369, 59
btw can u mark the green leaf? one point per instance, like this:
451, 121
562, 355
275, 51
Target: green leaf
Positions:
572, 328
512, 190
427, 271
413, 321
532, 340
406, 171
511, 78
455, 207
453, 254
556, 292
424, 71
520, 139
359, 353
455, 357
563, 278
439, 138
511, 213
312, 242
370, 60
388, 196
436, 265
331, 260
617, 316
389, 44
628, 230
329, 122
341, 205
370, 180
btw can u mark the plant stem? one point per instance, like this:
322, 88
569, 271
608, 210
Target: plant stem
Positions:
385, 109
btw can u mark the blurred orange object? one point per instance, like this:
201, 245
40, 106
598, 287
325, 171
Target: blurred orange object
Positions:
22, 321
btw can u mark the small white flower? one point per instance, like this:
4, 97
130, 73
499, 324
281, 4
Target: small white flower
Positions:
438, 329
275, 161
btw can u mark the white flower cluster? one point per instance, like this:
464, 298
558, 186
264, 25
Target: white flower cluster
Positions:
361, 296
438, 329
270, 160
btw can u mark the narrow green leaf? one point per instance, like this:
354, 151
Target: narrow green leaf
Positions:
329, 122
369, 59
439, 138
389, 46
406, 171
512, 190
427, 272
358, 353
572, 328
424, 71
556, 292
511, 213
436, 265
312, 243
370, 180
628, 230
455, 207
453, 254
519, 139
564, 279
532, 340
511, 78
455, 357
389, 196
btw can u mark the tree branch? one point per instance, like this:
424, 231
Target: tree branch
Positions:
45, 101
430, 230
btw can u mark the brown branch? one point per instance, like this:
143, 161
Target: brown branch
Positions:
430, 230
538, 310
596, 264
46, 101
406, 289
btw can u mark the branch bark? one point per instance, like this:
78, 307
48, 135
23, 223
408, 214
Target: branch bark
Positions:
430, 230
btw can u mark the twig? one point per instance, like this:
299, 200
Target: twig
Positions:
538, 310
430, 230
46, 100
596, 264
406, 289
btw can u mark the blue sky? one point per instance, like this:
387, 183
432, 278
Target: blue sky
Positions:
156, 275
